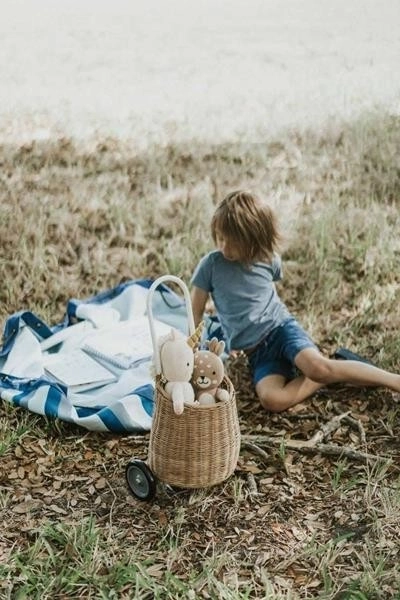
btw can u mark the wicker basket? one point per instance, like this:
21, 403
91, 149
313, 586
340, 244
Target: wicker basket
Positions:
200, 447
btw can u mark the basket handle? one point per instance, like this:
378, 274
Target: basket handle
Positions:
188, 304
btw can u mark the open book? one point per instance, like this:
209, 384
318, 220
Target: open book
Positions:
77, 370
126, 343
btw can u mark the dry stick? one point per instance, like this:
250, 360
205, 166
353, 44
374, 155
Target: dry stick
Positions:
248, 441
256, 449
301, 416
324, 449
251, 482
312, 445
358, 425
327, 429
142, 437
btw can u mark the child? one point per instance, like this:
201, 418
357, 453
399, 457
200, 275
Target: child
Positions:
240, 278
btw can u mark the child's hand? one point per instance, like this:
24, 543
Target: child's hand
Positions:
210, 307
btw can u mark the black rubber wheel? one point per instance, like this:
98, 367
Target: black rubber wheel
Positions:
140, 480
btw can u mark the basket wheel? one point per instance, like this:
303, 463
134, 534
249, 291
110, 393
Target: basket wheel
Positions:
140, 480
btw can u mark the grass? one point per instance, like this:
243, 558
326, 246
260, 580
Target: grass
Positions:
76, 219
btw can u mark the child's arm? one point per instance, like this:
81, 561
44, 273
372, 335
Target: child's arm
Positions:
199, 299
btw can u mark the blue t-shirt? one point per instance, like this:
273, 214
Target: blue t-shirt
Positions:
245, 297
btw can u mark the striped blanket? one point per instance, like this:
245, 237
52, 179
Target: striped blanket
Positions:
124, 406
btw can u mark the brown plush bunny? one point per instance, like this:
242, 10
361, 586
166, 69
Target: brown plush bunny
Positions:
208, 373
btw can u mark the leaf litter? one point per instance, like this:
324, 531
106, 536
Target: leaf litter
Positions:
299, 503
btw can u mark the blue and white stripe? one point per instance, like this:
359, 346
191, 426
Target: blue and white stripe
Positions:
123, 407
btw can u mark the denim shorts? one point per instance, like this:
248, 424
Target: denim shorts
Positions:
275, 355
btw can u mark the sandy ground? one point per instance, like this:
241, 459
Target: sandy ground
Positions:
162, 71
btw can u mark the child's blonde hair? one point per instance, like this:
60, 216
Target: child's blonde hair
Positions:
243, 218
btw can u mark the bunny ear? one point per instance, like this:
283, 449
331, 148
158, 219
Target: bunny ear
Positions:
194, 339
221, 347
216, 346
212, 344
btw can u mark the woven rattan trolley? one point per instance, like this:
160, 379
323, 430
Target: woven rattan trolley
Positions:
196, 449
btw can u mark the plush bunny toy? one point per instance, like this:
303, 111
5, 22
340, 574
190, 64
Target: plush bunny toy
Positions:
176, 358
208, 373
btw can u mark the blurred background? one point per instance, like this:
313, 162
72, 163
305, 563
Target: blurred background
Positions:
161, 72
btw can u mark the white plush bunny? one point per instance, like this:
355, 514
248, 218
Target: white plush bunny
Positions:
176, 358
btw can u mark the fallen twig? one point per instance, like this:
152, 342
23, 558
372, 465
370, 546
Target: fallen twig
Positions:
256, 449
140, 438
250, 442
356, 423
251, 482
327, 429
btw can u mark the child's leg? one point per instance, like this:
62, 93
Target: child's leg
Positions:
276, 393
273, 370
271, 365
325, 370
